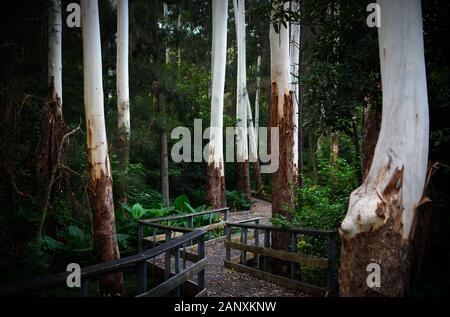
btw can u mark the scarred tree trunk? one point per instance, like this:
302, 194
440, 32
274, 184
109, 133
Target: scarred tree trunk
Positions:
100, 180
123, 99
216, 195
282, 117
55, 52
380, 223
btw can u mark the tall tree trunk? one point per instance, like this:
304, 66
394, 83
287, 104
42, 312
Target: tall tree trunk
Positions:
380, 223
164, 156
257, 166
100, 179
282, 117
295, 86
123, 99
216, 195
357, 145
370, 133
312, 158
55, 51
246, 145
334, 150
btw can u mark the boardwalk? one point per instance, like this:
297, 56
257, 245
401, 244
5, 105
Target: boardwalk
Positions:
222, 282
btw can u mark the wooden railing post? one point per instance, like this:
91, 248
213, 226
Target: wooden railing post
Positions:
331, 265
140, 247
191, 225
294, 250
201, 255
167, 257
84, 290
267, 267
228, 238
177, 270
244, 241
210, 222
257, 242
225, 215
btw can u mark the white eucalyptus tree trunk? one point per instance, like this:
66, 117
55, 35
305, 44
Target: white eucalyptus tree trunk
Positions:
380, 222
164, 154
55, 50
282, 118
100, 179
245, 141
123, 94
216, 195
295, 87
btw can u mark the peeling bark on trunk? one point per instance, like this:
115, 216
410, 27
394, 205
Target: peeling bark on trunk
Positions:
380, 223
282, 117
216, 194
283, 179
100, 179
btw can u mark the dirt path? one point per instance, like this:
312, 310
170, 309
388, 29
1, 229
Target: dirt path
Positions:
222, 282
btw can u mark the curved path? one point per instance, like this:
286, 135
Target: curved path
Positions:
222, 282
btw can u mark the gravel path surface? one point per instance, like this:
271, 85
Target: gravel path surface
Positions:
222, 282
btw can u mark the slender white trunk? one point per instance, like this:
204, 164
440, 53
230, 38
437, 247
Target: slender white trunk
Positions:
280, 62
241, 104
219, 56
123, 94
166, 22
55, 48
403, 141
295, 87
257, 96
216, 168
100, 177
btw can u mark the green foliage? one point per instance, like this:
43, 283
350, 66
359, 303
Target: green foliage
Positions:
237, 201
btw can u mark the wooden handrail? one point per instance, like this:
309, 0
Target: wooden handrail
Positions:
311, 232
178, 217
97, 269
170, 228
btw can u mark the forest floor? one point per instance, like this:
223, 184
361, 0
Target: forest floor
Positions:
222, 282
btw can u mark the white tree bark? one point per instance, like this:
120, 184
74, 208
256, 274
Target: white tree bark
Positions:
100, 176
123, 94
93, 89
55, 48
219, 56
397, 176
257, 97
280, 62
295, 87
